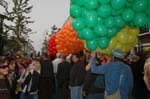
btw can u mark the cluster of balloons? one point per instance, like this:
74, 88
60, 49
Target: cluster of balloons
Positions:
98, 22
125, 40
52, 50
67, 40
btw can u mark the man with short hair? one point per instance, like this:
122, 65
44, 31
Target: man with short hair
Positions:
77, 76
118, 76
56, 61
63, 74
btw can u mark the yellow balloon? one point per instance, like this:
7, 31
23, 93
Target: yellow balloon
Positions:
125, 29
103, 52
136, 41
106, 51
98, 50
134, 31
118, 46
124, 49
129, 47
122, 37
84, 42
112, 43
131, 38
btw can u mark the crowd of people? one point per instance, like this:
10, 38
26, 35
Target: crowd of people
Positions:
84, 75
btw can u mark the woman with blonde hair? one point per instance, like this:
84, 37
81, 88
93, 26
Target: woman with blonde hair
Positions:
29, 81
37, 65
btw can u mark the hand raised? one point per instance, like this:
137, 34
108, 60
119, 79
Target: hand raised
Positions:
93, 54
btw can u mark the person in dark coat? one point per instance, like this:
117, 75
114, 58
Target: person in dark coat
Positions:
62, 76
46, 84
77, 76
139, 89
4, 82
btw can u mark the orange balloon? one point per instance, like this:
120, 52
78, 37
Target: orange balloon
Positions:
67, 40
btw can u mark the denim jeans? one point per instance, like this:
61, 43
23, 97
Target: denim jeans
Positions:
76, 92
96, 96
28, 96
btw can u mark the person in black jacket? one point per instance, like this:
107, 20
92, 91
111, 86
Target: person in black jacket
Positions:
77, 76
62, 76
46, 85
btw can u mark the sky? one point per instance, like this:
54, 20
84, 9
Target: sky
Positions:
46, 13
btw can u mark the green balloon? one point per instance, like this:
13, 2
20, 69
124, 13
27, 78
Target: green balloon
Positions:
131, 1
84, 12
73, 1
118, 4
109, 22
100, 20
80, 35
128, 15
140, 5
91, 19
104, 11
140, 19
112, 32
78, 24
104, 1
91, 45
103, 42
116, 12
88, 34
147, 11
148, 24
90, 4
100, 30
77, 2
132, 25
129, 5
119, 22
75, 11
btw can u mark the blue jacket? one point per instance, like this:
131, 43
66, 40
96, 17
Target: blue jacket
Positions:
112, 72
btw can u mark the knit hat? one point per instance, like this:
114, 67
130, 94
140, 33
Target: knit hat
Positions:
117, 53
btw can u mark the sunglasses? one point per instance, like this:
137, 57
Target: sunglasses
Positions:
3, 66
